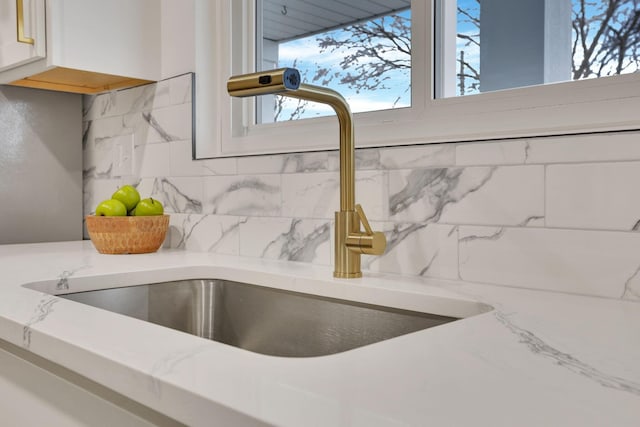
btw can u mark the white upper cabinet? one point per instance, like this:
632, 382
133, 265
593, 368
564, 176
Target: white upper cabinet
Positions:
22, 32
83, 46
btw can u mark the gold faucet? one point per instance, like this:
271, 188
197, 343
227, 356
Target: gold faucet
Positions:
350, 241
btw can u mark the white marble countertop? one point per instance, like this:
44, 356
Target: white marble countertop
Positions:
538, 358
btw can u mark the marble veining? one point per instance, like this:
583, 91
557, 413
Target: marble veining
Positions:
247, 196
210, 167
175, 200
100, 159
86, 129
565, 360
495, 235
119, 102
630, 291
185, 229
284, 163
224, 233
208, 233
300, 163
99, 105
149, 118
436, 188
400, 232
422, 249
527, 149
366, 159
168, 364
143, 98
87, 104
296, 246
426, 268
93, 172
63, 282
532, 221
40, 314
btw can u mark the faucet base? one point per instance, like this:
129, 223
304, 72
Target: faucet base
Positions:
347, 262
339, 275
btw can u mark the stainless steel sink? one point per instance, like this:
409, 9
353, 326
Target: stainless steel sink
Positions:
260, 319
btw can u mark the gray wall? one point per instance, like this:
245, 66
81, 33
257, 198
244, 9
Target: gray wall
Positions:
524, 43
40, 166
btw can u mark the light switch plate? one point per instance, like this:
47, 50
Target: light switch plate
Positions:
123, 155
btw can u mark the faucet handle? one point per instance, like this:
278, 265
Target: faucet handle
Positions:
363, 219
371, 242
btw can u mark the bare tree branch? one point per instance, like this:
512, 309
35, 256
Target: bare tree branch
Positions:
371, 50
606, 37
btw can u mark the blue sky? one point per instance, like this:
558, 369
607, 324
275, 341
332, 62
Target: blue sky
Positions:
306, 54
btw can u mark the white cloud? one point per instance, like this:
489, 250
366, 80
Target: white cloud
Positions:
307, 50
366, 103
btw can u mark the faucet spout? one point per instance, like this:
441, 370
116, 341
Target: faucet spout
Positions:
347, 140
350, 241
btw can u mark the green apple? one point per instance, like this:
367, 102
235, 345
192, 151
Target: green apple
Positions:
111, 207
147, 207
128, 195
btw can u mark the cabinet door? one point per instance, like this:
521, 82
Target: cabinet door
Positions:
22, 32
33, 395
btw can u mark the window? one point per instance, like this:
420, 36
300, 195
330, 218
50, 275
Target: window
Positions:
541, 98
508, 44
360, 48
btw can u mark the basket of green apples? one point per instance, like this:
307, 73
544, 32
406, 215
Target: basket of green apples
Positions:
125, 224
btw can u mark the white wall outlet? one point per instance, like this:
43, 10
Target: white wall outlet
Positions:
123, 155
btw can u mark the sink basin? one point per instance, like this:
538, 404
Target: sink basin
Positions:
260, 319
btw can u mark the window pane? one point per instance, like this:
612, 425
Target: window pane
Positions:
503, 44
362, 49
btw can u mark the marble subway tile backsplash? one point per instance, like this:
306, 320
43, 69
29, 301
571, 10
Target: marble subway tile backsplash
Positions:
596, 263
471, 195
417, 249
553, 213
594, 196
251, 195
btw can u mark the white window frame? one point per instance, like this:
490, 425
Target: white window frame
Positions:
225, 126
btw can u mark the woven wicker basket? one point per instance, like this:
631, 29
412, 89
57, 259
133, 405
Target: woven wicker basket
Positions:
127, 234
